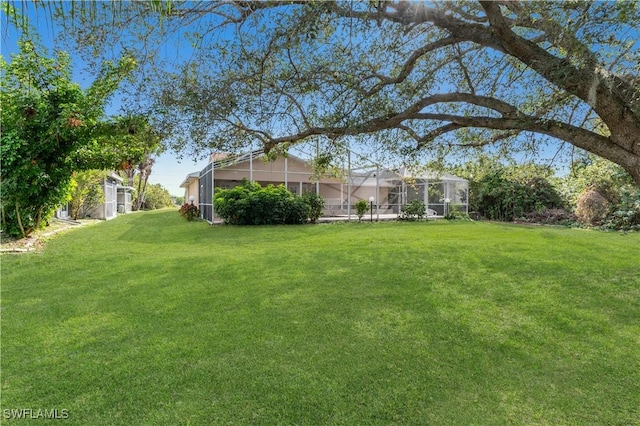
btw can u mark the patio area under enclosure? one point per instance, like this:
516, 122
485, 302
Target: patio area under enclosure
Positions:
393, 189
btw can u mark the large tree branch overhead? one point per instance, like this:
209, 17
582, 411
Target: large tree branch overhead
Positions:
427, 71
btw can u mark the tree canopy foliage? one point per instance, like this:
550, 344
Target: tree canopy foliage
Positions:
434, 76
50, 128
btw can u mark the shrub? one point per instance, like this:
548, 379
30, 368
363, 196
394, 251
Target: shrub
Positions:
415, 210
625, 215
231, 204
362, 206
251, 204
501, 197
597, 174
316, 205
156, 197
592, 208
87, 193
189, 211
454, 213
298, 211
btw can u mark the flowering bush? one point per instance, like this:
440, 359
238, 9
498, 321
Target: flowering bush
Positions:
189, 211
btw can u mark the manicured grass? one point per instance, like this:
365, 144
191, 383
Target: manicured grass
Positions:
149, 319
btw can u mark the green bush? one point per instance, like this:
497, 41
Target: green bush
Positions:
251, 204
415, 210
230, 204
87, 192
362, 206
597, 174
454, 213
625, 215
620, 209
298, 211
156, 197
506, 198
316, 205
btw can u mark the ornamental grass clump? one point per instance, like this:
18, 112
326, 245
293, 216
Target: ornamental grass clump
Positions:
592, 208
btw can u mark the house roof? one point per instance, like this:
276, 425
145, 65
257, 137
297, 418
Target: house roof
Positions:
362, 177
427, 174
114, 176
190, 178
386, 176
221, 161
369, 178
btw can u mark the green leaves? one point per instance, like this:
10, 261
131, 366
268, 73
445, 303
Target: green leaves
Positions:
278, 72
251, 204
110, 77
51, 127
86, 192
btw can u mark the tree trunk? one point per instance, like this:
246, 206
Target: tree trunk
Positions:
607, 94
144, 188
24, 234
138, 202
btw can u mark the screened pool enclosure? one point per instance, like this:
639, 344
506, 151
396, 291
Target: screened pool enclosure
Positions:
394, 189
387, 189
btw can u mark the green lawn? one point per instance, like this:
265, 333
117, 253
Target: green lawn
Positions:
149, 319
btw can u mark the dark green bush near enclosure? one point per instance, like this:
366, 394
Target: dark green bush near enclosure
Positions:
251, 204
455, 213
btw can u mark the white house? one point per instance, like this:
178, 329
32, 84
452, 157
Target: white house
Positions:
117, 199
